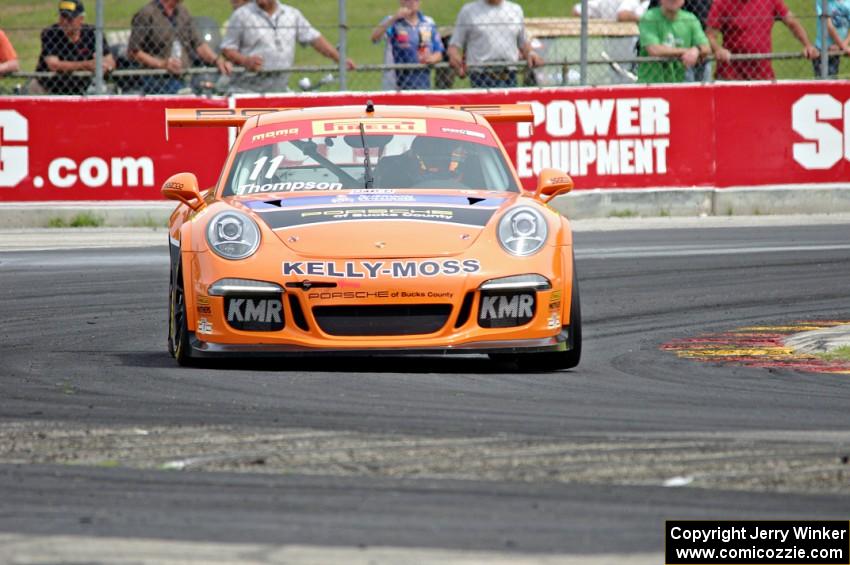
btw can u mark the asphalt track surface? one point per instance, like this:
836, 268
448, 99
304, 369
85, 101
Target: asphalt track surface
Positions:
82, 351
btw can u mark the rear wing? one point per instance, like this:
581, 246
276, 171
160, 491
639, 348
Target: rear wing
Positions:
496, 113
214, 117
236, 117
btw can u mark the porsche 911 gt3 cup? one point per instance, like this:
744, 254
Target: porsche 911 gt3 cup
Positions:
371, 229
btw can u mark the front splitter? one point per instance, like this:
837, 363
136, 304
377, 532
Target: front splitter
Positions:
203, 349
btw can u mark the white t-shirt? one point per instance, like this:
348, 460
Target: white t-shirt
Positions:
489, 33
252, 31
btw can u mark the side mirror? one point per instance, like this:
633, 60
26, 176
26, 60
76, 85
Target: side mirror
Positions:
552, 182
183, 187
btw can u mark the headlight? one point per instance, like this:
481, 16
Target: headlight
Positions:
517, 282
523, 231
233, 235
228, 287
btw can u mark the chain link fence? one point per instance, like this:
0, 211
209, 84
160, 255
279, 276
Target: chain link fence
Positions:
754, 40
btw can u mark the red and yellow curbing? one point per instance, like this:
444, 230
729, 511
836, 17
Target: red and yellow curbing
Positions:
759, 346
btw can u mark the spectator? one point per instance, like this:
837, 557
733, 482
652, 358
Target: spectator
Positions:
413, 38
702, 72
746, 27
490, 31
838, 40
670, 32
164, 37
262, 36
599, 9
8, 57
388, 80
67, 47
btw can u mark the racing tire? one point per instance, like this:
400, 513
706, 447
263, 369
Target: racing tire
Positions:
178, 330
556, 360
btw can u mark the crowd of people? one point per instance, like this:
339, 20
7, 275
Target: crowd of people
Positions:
488, 43
690, 33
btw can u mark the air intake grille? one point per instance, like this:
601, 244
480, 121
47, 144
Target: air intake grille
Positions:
465, 309
414, 319
298, 313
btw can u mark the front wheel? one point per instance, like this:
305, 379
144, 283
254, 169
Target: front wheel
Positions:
556, 360
178, 331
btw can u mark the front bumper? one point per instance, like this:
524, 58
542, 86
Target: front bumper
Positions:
314, 320
206, 350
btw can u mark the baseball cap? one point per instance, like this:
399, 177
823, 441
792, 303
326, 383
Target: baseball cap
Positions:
71, 8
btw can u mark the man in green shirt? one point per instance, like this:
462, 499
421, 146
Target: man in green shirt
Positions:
670, 32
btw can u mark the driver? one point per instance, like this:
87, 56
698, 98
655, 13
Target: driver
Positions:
436, 158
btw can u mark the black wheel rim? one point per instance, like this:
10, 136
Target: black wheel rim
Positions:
178, 310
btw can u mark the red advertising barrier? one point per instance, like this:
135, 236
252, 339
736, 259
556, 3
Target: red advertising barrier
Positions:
624, 137
795, 133
100, 149
605, 138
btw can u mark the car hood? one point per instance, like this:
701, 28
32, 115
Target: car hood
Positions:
380, 223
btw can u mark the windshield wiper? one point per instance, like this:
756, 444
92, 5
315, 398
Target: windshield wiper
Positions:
308, 148
367, 162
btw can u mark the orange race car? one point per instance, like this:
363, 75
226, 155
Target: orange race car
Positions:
363, 229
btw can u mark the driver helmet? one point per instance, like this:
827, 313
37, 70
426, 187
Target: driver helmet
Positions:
436, 155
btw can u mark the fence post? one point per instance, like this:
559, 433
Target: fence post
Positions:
98, 48
824, 39
343, 46
583, 45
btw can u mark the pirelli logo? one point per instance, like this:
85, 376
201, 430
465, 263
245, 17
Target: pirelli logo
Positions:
371, 125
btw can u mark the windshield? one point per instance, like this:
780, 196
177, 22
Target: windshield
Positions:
401, 154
